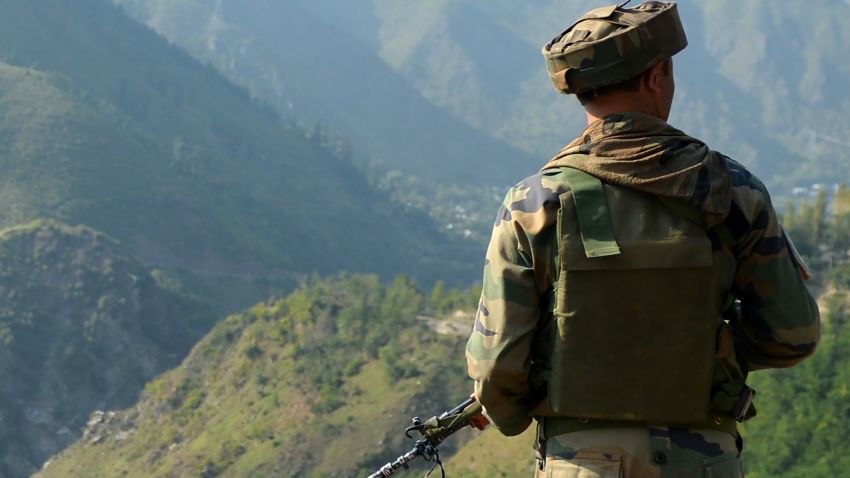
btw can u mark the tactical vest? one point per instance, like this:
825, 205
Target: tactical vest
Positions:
637, 307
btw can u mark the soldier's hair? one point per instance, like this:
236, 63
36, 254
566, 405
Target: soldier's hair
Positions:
632, 85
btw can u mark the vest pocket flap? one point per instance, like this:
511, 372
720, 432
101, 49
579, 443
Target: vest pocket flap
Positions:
671, 253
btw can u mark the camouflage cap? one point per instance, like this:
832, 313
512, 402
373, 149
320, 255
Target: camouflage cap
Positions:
611, 44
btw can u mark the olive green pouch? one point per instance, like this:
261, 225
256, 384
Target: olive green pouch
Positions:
637, 309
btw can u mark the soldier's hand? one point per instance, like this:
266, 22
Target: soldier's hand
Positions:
479, 421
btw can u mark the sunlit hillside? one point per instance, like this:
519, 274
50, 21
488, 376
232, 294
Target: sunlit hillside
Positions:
321, 383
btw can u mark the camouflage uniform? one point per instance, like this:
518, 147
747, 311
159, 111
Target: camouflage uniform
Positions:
774, 324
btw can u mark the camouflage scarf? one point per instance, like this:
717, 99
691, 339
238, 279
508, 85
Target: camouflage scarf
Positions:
645, 153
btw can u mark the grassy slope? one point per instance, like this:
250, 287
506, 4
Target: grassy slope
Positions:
82, 325
319, 384
491, 454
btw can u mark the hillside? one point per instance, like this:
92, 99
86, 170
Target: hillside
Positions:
287, 54
263, 395
82, 326
105, 125
753, 82
321, 384
108, 125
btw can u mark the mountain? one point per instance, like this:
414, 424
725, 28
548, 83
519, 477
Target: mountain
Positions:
82, 326
743, 86
106, 124
107, 127
760, 83
321, 383
287, 54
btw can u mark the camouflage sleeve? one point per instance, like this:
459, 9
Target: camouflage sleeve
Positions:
779, 324
517, 273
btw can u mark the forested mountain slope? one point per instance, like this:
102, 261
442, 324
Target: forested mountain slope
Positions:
264, 396
82, 326
321, 384
288, 54
104, 123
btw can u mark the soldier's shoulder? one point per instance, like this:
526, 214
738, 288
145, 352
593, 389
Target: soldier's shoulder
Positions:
537, 191
744, 178
751, 206
533, 201
748, 191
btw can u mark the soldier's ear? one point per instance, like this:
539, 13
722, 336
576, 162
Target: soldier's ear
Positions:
655, 79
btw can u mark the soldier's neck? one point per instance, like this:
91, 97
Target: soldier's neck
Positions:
620, 103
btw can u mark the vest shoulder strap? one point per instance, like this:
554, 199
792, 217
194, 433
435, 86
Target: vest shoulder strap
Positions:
594, 218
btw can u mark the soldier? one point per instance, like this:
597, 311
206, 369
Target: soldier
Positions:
633, 283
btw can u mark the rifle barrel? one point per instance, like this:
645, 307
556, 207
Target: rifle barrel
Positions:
392, 467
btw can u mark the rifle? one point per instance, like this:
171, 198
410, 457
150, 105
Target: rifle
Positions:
434, 431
